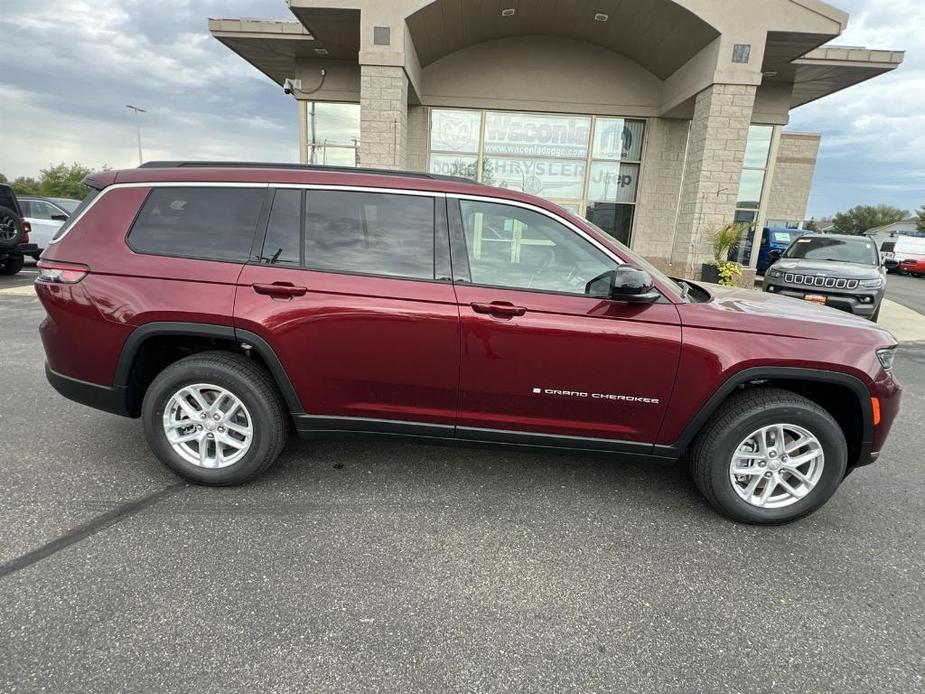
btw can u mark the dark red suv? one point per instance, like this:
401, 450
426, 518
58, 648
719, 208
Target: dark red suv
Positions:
220, 303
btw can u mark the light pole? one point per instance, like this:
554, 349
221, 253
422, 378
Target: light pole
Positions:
137, 110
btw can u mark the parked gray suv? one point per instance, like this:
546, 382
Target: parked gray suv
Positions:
840, 271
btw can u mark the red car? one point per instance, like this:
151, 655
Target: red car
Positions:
914, 267
224, 303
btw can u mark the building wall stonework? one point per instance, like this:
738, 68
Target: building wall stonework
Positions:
793, 176
712, 169
659, 186
383, 116
418, 137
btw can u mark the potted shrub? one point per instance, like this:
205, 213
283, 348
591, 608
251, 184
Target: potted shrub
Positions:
722, 270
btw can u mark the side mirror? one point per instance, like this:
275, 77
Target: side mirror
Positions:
625, 283
774, 254
59, 218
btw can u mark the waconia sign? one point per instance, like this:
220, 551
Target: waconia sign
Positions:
531, 135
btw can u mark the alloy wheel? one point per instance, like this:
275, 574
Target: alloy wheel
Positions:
776, 466
208, 426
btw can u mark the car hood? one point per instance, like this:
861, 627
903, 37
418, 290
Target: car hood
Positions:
828, 268
751, 311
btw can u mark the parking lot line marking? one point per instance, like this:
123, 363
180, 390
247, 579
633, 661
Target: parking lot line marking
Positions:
27, 290
91, 527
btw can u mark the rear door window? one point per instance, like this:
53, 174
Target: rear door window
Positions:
370, 233
284, 229
198, 222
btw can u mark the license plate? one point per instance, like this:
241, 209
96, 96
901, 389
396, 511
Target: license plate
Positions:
815, 298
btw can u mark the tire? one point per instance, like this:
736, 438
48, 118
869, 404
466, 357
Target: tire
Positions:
10, 229
744, 413
242, 379
875, 316
11, 265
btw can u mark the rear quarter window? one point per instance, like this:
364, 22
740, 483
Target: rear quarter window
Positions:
198, 222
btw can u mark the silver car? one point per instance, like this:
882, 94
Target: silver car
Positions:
46, 215
841, 271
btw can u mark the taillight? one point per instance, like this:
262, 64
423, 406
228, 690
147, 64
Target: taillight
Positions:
61, 273
26, 230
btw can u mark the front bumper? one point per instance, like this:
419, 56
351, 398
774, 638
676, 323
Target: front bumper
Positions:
860, 304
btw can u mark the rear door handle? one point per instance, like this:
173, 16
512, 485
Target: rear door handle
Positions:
499, 309
280, 289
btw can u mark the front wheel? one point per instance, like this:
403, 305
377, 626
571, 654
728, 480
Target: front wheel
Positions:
769, 456
214, 418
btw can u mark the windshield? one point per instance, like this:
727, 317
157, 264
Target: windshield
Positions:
783, 236
860, 250
641, 262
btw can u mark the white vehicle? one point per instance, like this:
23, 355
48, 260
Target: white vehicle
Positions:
46, 215
899, 248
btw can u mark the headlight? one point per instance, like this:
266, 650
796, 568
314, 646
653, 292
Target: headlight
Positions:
872, 284
774, 273
886, 358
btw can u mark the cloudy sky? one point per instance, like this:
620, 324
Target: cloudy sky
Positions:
70, 67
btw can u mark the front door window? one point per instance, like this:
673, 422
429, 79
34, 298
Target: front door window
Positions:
521, 249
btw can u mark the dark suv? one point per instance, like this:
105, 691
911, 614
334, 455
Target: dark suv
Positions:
222, 304
14, 233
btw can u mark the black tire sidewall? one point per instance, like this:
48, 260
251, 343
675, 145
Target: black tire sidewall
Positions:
12, 265
835, 462
183, 374
6, 245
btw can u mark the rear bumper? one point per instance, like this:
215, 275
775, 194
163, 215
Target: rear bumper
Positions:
21, 249
104, 398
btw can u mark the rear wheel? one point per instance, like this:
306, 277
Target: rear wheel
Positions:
214, 418
769, 456
11, 265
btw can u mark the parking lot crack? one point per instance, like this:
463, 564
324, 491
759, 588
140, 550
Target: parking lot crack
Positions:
91, 527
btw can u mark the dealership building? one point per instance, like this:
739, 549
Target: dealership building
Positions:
655, 119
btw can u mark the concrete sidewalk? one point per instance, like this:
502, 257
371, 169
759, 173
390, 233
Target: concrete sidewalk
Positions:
906, 324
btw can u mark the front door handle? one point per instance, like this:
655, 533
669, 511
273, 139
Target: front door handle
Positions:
499, 309
279, 289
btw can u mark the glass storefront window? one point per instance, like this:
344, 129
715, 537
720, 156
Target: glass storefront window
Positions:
617, 138
588, 165
548, 178
613, 182
757, 146
536, 135
750, 188
333, 133
464, 165
455, 131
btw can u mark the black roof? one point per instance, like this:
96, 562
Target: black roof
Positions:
298, 167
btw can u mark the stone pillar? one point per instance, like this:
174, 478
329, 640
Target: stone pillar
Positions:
712, 168
383, 117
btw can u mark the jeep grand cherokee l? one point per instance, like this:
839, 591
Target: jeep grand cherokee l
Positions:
220, 303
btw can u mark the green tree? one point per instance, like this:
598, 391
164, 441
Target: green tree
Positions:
859, 219
62, 181
811, 225
920, 219
3, 179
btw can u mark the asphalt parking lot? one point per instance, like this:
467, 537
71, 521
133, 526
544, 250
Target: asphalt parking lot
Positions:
908, 291
371, 566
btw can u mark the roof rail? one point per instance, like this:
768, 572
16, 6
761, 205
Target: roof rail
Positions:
298, 167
